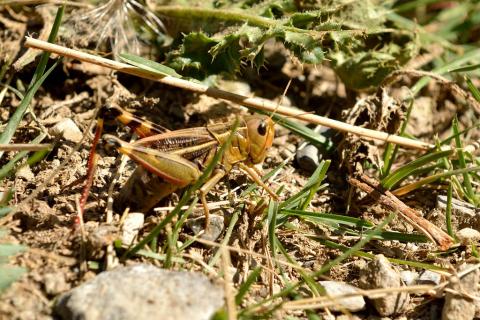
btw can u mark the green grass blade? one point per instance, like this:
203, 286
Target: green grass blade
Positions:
9, 274
226, 239
149, 65
475, 92
304, 132
17, 116
251, 279
413, 186
272, 224
35, 83
401, 173
467, 182
359, 245
270, 174
310, 281
471, 55
467, 68
9, 166
448, 211
318, 175
329, 218
359, 253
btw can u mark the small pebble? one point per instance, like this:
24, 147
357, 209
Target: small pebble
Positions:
458, 307
408, 277
468, 235
55, 283
238, 87
67, 129
460, 206
214, 230
379, 273
429, 277
24, 172
142, 292
131, 226
335, 288
308, 158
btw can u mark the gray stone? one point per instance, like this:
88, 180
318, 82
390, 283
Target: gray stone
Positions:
429, 277
142, 292
131, 226
25, 172
308, 158
378, 274
408, 277
67, 129
468, 236
55, 283
214, 230
461, 207
335, 288
457, 305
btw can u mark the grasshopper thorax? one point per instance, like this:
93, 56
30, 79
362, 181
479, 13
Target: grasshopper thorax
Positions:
261, 130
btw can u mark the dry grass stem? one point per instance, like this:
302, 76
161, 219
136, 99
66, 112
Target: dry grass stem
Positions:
25, 147
256, 103
328, 301
374, 190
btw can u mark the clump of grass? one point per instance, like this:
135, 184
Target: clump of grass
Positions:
8, 272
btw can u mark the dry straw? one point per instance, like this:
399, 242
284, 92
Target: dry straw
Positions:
256, 103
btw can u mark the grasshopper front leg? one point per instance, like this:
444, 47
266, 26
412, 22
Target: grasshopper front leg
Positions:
218, 174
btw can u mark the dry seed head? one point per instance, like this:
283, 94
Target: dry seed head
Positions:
115, 23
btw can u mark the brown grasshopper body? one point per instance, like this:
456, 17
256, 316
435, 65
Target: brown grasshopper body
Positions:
176, 158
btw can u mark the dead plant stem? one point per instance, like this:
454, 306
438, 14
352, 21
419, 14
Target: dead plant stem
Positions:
255, 103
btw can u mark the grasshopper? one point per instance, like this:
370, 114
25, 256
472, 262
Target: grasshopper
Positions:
176, 158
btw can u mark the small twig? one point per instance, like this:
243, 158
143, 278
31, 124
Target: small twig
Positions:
25, 146
227, 285
328, 301
211, 206
374, 189
256, 103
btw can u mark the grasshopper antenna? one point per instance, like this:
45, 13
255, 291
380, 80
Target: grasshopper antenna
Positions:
281, 99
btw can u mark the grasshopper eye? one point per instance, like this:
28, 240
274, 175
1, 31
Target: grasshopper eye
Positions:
262, 128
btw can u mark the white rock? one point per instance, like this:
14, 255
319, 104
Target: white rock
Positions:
429, 277
457, 306
142, 292
24, 172
214, 230
380, 274
131, 226
308, 158
408, 277
461, 206
468, 236
67, 129
335, 288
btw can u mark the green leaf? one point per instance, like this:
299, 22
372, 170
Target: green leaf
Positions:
9, 274
251, 279
403, 172
36, 82
149, 65
467, 68
10, 249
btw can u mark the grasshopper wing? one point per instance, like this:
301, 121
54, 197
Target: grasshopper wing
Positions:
172, 167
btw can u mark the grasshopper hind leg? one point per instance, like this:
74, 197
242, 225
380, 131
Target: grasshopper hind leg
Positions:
143, 191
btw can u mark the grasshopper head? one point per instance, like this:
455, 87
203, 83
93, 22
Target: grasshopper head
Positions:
261, 131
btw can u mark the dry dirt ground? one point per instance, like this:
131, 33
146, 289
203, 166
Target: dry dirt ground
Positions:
58, 260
